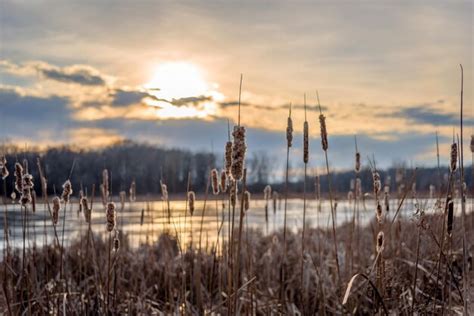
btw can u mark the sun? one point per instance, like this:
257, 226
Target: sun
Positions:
175, 80
172, 81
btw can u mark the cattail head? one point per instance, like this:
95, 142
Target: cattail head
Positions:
289, 132
386, 201
450, 223
110, 214
142, 217
275, 199
305, 142
378, 212
377, 182
3, 168
133, 191
238, 152
85, 207
67, 191
26, 197
223, 183
116, 242
215, 181
324, 132
267, 192
472, 144
380, 242
18, 177
357, 162
164, 191
454, 157
246, 201
228, 157
56, 209
191, 201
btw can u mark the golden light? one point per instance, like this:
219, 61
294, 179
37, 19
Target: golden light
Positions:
177, 80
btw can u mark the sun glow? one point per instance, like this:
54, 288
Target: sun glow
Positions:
173, 82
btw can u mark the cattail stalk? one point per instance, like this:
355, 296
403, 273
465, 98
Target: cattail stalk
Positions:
325, 146
289, 141
305, 161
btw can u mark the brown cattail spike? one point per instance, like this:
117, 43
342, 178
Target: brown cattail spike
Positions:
246, 201
67, 191
380, 242
18, 177
472, 144
105, 185
133, 191
228, 157
56, 209
305, 142
378, 212
110, 216
377, 182
238, 152
223, 184
454, 157
191, 200
215, 181
289, 130
3, 168
450, 224
357, 162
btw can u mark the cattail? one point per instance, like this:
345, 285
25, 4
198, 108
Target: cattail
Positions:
164, 191
305, 142
142, 217
3, 167
317, 187
378, 212
215, 181
123, 196
18, 177
380, 242
386, 201
67, 191
191, 200
289, 132
223, 183
110, 216
454, 157
377, 182
246, 201
56, 209
105, 185
27, 186
357, 162
275, 199
267, 192
324, 133
85, 207
228, 158
450, 214
133, 191
472, 144
116, 242
238, 152
350, 195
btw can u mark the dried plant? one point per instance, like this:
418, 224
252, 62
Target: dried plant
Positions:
191, 201
56, 209
133, 191
357, 162
110, 215
19, 177
454, 157
3, 168
238, 152
228, 158
305, 142
223, 183
246, 201
215, 181
67, 191
105, 186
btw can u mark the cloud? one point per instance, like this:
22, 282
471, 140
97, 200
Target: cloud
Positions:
428, 114
77, 74
121, 97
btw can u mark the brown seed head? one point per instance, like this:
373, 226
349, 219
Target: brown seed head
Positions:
191, 200
324, 132
238, 152
67, 191
228, 158
110, 214
246, 201
380, 242
305, 142
56, 209
223, 183
215, 181
454, 157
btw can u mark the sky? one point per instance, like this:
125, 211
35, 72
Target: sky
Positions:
93, 73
